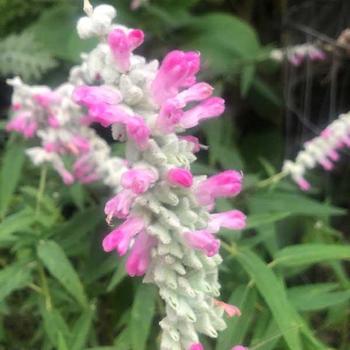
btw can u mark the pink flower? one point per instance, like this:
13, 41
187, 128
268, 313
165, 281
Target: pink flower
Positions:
139, 258
66, 176
46, 99
122, 44
81, 144
196, 92
53, 121
120, 238
180, 177
24, 124
225, 184
138, 131
232, 219
197, 346
138, 180
177, 71
303, 184
194, 140
231, 310
90, 96
169, 116
210, 108
119, 206
203, 240
107, 115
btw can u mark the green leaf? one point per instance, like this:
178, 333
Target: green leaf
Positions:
81, 330
13, 277
55, 327
56, 261
275, 297
257, 220
11, 171
317, 296
294, 203
310, 253
224, 53
142, 313
19, 221
122, 341
247, 78
56, 32
117, 277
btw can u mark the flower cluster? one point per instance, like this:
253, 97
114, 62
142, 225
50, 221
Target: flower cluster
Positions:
169, 229
322, 150
75, 151
296, 55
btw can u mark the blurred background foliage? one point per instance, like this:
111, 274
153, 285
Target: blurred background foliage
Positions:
288, 271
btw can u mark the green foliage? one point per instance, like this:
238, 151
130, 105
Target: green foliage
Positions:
287, 271
20, 54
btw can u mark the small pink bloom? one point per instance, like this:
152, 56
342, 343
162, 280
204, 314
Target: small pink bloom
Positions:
177, 71
231, 310
203, 240
140, 255
326, 164
333, 155
119, 206
225, 184
137, 130
239, 347
194, 140
196, 92
24, 124
232, 219
16, 106
51, 147
326, 133
66, 176
122, 44
46, 99
90, 96
108, 115
138, 180
170, 115
89, 178
120, 238
53, 121
210, 108
197, 346
81, 144
180, 177
303, 184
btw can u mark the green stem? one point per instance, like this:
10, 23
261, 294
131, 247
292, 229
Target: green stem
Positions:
45, 287
41, 189
271, 180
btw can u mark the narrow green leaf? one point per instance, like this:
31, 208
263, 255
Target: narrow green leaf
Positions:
13, 277
56, 261
311, 253
14, 223
117, 277
62, 345
10, 173
256, 220
81, 330
142, 313
123, 340
275, 297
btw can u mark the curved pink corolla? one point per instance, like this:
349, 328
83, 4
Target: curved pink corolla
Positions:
119, 206
53, 121
179, 177
138, 180
81, 144
232, 219
229, 309
209, 108
225, 184
120, 238
196, 92
138, 131
197, 346
177, 70
170, 115
203, 240
90, 96
24, 124
140, 255
123, 43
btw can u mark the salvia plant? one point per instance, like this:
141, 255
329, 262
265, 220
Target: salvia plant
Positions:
169, 227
